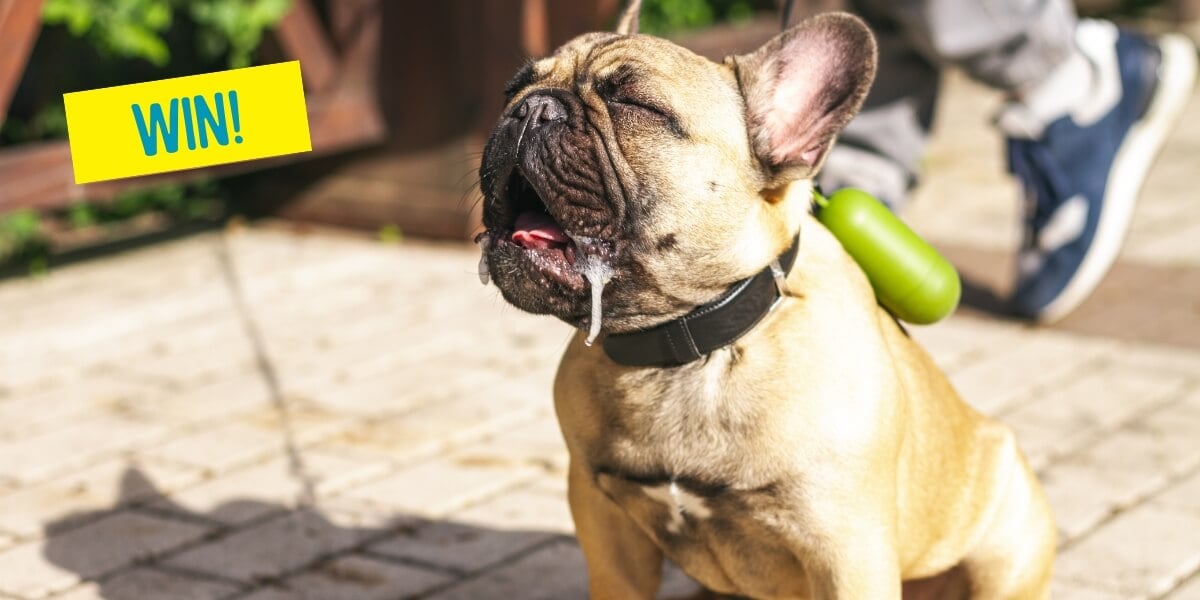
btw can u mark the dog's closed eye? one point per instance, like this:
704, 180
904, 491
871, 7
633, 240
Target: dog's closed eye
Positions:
622, 87
621, 92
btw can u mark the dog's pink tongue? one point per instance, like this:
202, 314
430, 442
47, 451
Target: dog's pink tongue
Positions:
535, 229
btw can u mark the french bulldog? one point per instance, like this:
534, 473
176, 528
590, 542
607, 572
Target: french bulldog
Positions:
631, 186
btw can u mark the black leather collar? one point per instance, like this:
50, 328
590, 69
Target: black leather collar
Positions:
707, 328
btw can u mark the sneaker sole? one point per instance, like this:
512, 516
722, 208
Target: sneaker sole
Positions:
1130, 167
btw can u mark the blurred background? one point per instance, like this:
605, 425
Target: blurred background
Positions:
281, 379
401, 96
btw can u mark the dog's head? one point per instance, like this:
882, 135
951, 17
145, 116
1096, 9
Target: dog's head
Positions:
632, 157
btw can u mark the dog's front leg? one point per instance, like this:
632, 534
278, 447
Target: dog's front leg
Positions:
622, 562
860, 566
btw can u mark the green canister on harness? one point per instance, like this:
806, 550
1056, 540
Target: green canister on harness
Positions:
911, 279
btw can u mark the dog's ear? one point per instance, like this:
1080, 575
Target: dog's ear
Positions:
802, 87
628, 23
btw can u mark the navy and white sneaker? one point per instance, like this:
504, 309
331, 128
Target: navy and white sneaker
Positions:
1081, 173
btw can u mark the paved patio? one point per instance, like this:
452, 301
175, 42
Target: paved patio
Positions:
267, 414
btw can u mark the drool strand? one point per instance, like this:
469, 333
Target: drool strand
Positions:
597, 281
593, 263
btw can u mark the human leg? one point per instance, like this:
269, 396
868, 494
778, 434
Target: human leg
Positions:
1082, 168
1089, 108
1008, 44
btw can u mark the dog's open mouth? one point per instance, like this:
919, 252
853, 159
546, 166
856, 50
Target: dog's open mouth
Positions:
525, 232
539, 234
526, 223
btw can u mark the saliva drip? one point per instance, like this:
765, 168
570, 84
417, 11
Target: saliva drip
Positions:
593, 263
597, 277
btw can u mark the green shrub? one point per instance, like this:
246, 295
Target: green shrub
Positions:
23, 241
136, 28
122, 32
662, 17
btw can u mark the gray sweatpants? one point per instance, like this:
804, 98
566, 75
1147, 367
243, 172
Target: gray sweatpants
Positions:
1007, 44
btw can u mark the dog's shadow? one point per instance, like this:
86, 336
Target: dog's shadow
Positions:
147, 546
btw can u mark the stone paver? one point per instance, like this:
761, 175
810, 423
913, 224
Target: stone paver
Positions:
77, 444
36, 568
554, 571
456, 547
1131, 464
1023, 368
269, 549
140, 582
89, 494
207, 400
442, 484
390, 432
1183, 495
66, 403
358, 576
519, 510
219, 448
1144, 552
1189, 590
248, 494
1078, 591
1081, 410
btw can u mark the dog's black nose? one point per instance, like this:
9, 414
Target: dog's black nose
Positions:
539, 109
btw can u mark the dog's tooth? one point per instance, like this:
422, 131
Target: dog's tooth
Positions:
484, 275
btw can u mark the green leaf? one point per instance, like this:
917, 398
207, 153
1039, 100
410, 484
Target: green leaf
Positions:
134, 40
157, 16
231, 29
77, 15
391, 234
22, 224
51, 121
39, 266
80, 215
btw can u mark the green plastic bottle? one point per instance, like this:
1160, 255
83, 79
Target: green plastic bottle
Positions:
911, 280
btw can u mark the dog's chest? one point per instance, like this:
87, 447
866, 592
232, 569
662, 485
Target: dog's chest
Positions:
733, 540
698, 471
679, 505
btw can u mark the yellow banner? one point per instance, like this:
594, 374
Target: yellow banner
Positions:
187, 122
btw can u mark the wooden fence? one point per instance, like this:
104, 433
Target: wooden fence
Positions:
416, 85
